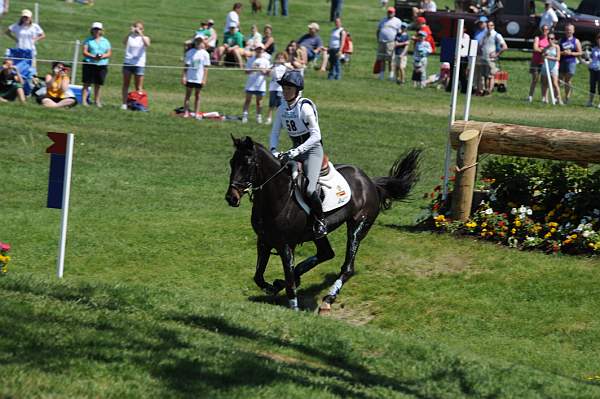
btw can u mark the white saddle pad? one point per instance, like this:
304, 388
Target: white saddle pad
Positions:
336, 189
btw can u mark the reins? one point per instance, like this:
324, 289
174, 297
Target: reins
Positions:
248, 188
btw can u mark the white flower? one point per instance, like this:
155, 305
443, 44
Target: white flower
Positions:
522, 209
489, 211
529, 211
579, 228
586, 234
513, 211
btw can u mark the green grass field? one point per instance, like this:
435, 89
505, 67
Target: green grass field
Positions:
158, 298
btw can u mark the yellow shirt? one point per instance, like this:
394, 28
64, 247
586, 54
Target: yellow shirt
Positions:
55, 90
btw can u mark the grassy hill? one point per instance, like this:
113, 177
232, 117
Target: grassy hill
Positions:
93, 340
151, 238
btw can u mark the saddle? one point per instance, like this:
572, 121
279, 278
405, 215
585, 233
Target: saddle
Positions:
332, 187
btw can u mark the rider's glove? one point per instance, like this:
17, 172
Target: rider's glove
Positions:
275, 153
289, 155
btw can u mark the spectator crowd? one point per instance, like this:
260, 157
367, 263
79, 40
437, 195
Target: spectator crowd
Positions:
553, 63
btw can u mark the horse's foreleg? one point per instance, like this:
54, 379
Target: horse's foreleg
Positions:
324, 253
287, 259
263, 254
356, 232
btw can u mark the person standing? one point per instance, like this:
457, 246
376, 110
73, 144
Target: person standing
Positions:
401, 54
233, 17
423, 27
492, 45
594, 68
135, 60
551, 56
570, 49
257, 69
97, 51
4, 4
420, 53
26, 33
336, 9
535, 67
387, 30
548, 17
194, 75
337, 38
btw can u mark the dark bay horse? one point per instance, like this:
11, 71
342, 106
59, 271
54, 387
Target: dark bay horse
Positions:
281, 224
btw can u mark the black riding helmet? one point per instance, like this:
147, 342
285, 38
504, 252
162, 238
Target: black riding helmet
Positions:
292, 78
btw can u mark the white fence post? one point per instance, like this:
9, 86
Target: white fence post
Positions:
74, 64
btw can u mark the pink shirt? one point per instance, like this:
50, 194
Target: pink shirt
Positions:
536, 58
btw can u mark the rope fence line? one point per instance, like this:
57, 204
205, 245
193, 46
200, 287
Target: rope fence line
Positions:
222, 68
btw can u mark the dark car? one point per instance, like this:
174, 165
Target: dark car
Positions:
516, 20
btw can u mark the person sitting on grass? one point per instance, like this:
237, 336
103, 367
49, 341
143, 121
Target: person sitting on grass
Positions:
58, 94
257, 68
11, 83
233, 44
194, 75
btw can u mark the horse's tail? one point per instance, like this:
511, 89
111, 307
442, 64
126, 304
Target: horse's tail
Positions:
402, 177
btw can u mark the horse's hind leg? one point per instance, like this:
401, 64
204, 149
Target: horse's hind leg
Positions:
356, 232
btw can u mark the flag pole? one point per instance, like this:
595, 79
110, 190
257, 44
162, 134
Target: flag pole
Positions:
60, 266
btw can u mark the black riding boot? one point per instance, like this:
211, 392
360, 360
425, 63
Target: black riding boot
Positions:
319, 228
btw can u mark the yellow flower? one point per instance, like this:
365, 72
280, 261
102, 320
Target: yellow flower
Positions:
548, 235
573, 236
553, 230
484, 224
513, 230
517, 223
440, 218
471, 224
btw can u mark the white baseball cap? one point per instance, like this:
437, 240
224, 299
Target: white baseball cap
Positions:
97, 25
26, 13
313, 25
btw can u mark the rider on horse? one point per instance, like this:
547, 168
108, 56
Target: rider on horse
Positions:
299, 116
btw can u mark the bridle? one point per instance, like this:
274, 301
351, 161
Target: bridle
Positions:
247, 187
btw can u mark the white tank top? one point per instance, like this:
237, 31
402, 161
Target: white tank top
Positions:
135, 52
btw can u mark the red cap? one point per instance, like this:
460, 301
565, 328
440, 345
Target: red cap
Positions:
421, 20
391, 9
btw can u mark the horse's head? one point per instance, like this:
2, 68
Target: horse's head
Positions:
243, 170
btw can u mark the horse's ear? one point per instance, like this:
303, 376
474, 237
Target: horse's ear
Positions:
248, 142
236, 142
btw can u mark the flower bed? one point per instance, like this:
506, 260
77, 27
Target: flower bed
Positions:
4, 258
551, 206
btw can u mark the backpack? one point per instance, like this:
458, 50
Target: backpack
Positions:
137, 101
348, 46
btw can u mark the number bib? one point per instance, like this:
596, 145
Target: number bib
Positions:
293, 120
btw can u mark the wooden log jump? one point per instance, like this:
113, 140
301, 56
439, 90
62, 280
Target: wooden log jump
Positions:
473, 138
532, 142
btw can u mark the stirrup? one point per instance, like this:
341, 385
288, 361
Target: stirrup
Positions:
319, 229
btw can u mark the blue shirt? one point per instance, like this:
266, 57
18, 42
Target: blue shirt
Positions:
312, 42
401, 38
97, 47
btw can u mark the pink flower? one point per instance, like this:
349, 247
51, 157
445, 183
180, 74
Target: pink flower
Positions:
4, 247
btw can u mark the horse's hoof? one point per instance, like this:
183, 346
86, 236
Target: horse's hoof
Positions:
325, 308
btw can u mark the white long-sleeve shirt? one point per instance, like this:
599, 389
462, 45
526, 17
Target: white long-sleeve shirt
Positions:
299, 119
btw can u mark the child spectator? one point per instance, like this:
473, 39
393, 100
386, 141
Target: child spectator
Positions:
275, 90
58, 94
594, 68
420, 53
135, 60
194, 75
441, 80
296, 56
257, 68
401, 54
552, 56
251, 41
11, 83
